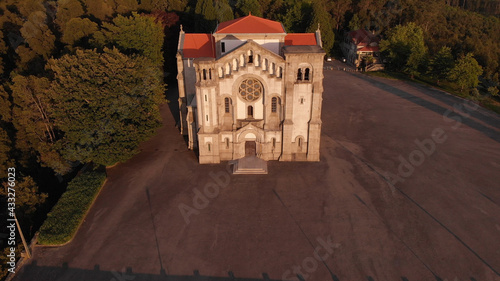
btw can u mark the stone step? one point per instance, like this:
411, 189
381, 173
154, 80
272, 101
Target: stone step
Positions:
249, 165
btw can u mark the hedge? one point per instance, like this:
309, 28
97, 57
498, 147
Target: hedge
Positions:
64, 219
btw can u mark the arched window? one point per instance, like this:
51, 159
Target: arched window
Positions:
242, 60
250, 112
280, 72
209, 147
227, 105
250, 56
299, 75
221, 72
226, 140
306, 74
274, 104
204, 74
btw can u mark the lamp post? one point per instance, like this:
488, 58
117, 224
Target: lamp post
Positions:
22, 237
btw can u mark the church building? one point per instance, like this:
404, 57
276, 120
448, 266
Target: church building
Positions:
251, 89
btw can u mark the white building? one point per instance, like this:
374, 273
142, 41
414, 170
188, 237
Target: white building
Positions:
251, 89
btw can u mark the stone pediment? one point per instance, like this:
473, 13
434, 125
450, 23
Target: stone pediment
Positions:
250, 129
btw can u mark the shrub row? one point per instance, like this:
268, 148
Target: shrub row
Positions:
64, 219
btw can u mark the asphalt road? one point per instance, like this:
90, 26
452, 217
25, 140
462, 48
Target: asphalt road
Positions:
408, 188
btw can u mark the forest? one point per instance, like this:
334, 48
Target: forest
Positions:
82, 81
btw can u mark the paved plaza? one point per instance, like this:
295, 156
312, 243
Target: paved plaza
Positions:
408, 188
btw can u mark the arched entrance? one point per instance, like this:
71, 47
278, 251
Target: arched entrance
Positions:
250, 148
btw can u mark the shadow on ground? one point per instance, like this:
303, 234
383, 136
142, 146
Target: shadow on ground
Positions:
461, 114
50, 273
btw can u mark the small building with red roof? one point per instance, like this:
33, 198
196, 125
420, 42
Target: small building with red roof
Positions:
249, 89
361, 48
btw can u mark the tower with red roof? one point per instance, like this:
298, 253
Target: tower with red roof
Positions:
250, 89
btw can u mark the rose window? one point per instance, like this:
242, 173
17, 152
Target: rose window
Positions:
251, 89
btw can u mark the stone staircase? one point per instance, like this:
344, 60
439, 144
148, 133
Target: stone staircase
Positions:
249, 165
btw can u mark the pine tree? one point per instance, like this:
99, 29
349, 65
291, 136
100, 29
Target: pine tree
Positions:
441, 64
323, 19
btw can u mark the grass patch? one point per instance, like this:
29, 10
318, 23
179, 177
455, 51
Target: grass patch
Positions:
484, 100
63, 220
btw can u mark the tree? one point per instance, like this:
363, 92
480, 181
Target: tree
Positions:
246, 7
99, 9
224, 11
441, 63
405, 48
28, 198
104, 104
33, 119
5, 146
322, 19
3, 52
466, 72
5, 106
38, 35
354, 23
339, 9
77, 29
125, 6
206, 15
136, 34
67, 10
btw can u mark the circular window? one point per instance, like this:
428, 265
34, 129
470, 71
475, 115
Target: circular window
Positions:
251, 89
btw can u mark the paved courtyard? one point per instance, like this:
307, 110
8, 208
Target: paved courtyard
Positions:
408, 188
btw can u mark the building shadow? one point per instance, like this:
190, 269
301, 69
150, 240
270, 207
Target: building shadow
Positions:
459, 114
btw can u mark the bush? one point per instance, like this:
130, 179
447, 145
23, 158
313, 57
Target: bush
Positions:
65, 218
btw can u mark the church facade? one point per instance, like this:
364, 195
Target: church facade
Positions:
249, 89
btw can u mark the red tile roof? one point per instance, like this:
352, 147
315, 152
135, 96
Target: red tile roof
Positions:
250, 24
300, 39
362, 37
198, 45
368, 49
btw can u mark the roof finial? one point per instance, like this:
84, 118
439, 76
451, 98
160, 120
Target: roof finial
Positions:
249, 13
182, 29
318, 25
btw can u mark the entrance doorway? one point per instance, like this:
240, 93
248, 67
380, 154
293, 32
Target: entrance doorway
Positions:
250, 148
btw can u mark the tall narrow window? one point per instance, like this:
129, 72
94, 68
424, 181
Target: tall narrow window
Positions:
210, 74
250, 112
274, 143
223, 47
306, 74
274, 104
227, 143
204, 74
227, 104
299, 75
209, 147
250, 59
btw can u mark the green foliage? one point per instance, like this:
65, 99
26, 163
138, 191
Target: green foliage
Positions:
77, 29
65, 218
99, 9
441, 63
245, 7
205, 10
105, 104
5, 145
493, 91
5, 111
38, 35
136, 34
405, 48
322, 18
294, 15
125, 6
466, 72
223, 10
28, 197
67, 10
355, 23
34, 122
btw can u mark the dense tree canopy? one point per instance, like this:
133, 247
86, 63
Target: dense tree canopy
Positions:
466, 72
104, 104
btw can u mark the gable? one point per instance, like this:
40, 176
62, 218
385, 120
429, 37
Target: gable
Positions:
250, 24
249, 45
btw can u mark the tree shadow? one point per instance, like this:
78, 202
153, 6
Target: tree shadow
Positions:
459, 115
33, 272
